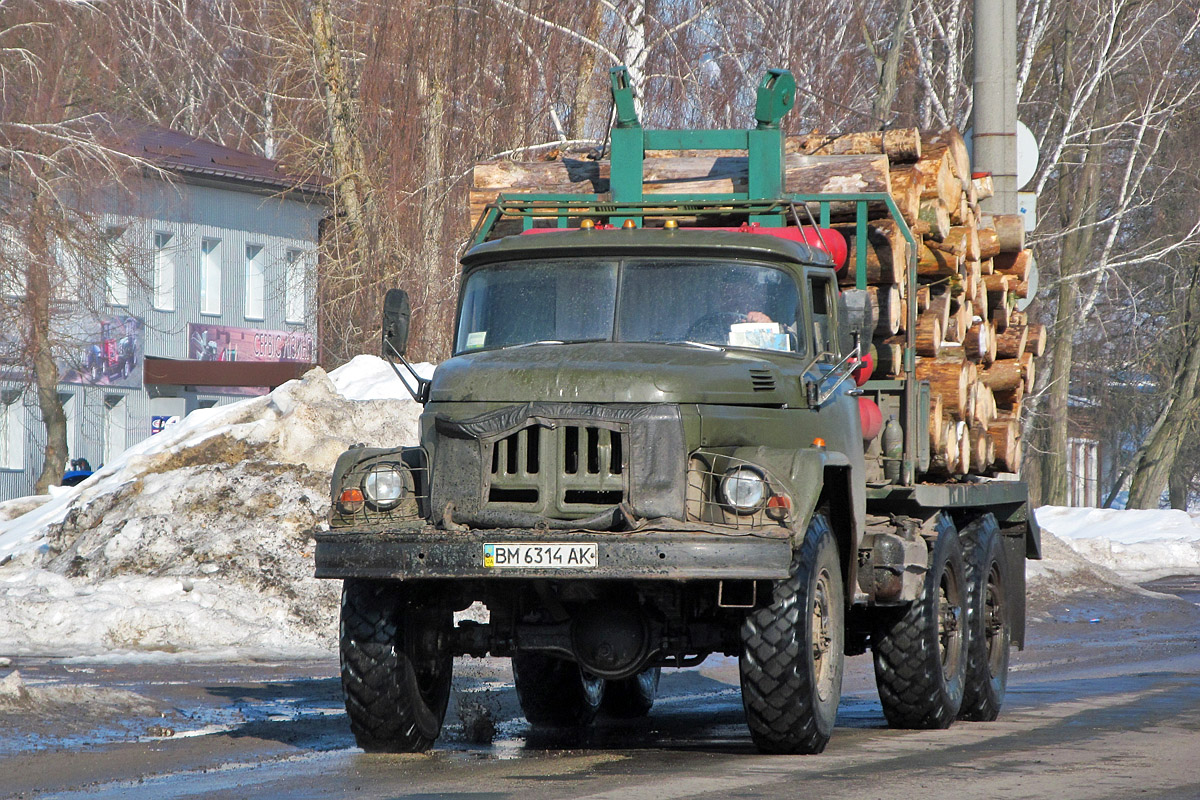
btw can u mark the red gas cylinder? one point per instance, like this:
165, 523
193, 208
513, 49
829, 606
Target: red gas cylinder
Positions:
866, 366
872, 418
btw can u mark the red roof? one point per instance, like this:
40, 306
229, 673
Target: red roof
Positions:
188, 156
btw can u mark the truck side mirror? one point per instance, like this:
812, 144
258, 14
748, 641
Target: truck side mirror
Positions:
396, 312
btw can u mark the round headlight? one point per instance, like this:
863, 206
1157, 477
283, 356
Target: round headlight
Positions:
743, 489
384, 486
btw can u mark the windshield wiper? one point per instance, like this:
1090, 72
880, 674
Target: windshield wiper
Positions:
554, 341
702, 345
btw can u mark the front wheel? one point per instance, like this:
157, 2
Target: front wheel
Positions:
793, 652
555, 692
396, 667
921, 656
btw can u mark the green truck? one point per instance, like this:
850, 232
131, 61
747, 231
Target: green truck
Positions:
648, 448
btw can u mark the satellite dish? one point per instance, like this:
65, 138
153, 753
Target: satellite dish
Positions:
1027, 153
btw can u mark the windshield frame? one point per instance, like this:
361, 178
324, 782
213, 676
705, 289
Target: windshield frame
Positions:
797, 273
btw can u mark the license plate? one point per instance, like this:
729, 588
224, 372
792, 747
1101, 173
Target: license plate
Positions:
540, 556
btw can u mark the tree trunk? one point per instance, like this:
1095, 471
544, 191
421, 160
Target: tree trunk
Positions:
41, 346
1156, 457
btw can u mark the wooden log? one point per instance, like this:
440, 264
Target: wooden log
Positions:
989, 243
978, 437
956, 147
987, 266
964, 448
1015, 265
1011, 343
965, 241
940, 181
1036, 341
984, 188
907, 183
678, 175
933, 264
984, 410
929, 334
935, 214
1009, 399
922, 299
889, 355
1010, 228
1027, 370
1000, 312
874, 311
1004, 433
996, 282
937, 430
948, 376
887, 253
980, 344
1004, 374
901, 145
1019, 288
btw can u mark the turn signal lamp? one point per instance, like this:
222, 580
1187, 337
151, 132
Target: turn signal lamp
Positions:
587, 224
670, 224
628, 224
350, 501
819, 442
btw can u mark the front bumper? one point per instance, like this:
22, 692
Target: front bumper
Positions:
656, 555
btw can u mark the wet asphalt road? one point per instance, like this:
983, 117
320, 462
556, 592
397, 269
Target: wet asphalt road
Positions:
1105, 703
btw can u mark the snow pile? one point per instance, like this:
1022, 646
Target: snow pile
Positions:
1139, 544
200, 538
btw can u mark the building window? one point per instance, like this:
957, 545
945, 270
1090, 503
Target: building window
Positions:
116, 272
12, 430
164, 273
210, 276
293, 289
256, 282
115, 426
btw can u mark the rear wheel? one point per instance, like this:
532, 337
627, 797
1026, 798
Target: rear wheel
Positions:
555, 692
633, 696
921, 655
988, 619
396, 667
793, 649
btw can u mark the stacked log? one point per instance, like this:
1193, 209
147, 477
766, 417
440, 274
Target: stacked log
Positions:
973, 347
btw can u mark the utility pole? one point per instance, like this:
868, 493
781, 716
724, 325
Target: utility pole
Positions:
995, 101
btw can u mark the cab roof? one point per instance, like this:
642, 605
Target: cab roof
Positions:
660, 242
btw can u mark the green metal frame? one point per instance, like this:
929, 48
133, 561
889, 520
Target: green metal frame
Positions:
764, 201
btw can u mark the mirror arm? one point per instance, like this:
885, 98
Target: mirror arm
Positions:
421, 395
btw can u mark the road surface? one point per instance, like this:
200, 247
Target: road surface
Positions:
1104, 703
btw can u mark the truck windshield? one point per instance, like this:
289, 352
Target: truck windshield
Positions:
642, 300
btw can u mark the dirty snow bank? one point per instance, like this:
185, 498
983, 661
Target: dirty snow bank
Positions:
199, 538
1136, 544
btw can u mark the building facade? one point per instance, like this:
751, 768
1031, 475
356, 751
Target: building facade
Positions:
208, 297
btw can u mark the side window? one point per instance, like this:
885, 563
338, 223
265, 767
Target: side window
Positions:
820, 294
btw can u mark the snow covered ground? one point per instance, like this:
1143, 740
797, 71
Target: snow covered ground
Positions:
1139, 545
197, 542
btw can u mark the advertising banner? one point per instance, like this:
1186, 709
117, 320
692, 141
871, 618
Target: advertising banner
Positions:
227, 343
111, 353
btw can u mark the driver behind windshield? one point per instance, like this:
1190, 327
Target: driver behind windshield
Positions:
749, 308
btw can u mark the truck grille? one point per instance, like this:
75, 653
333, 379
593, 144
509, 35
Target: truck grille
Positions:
567, 470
